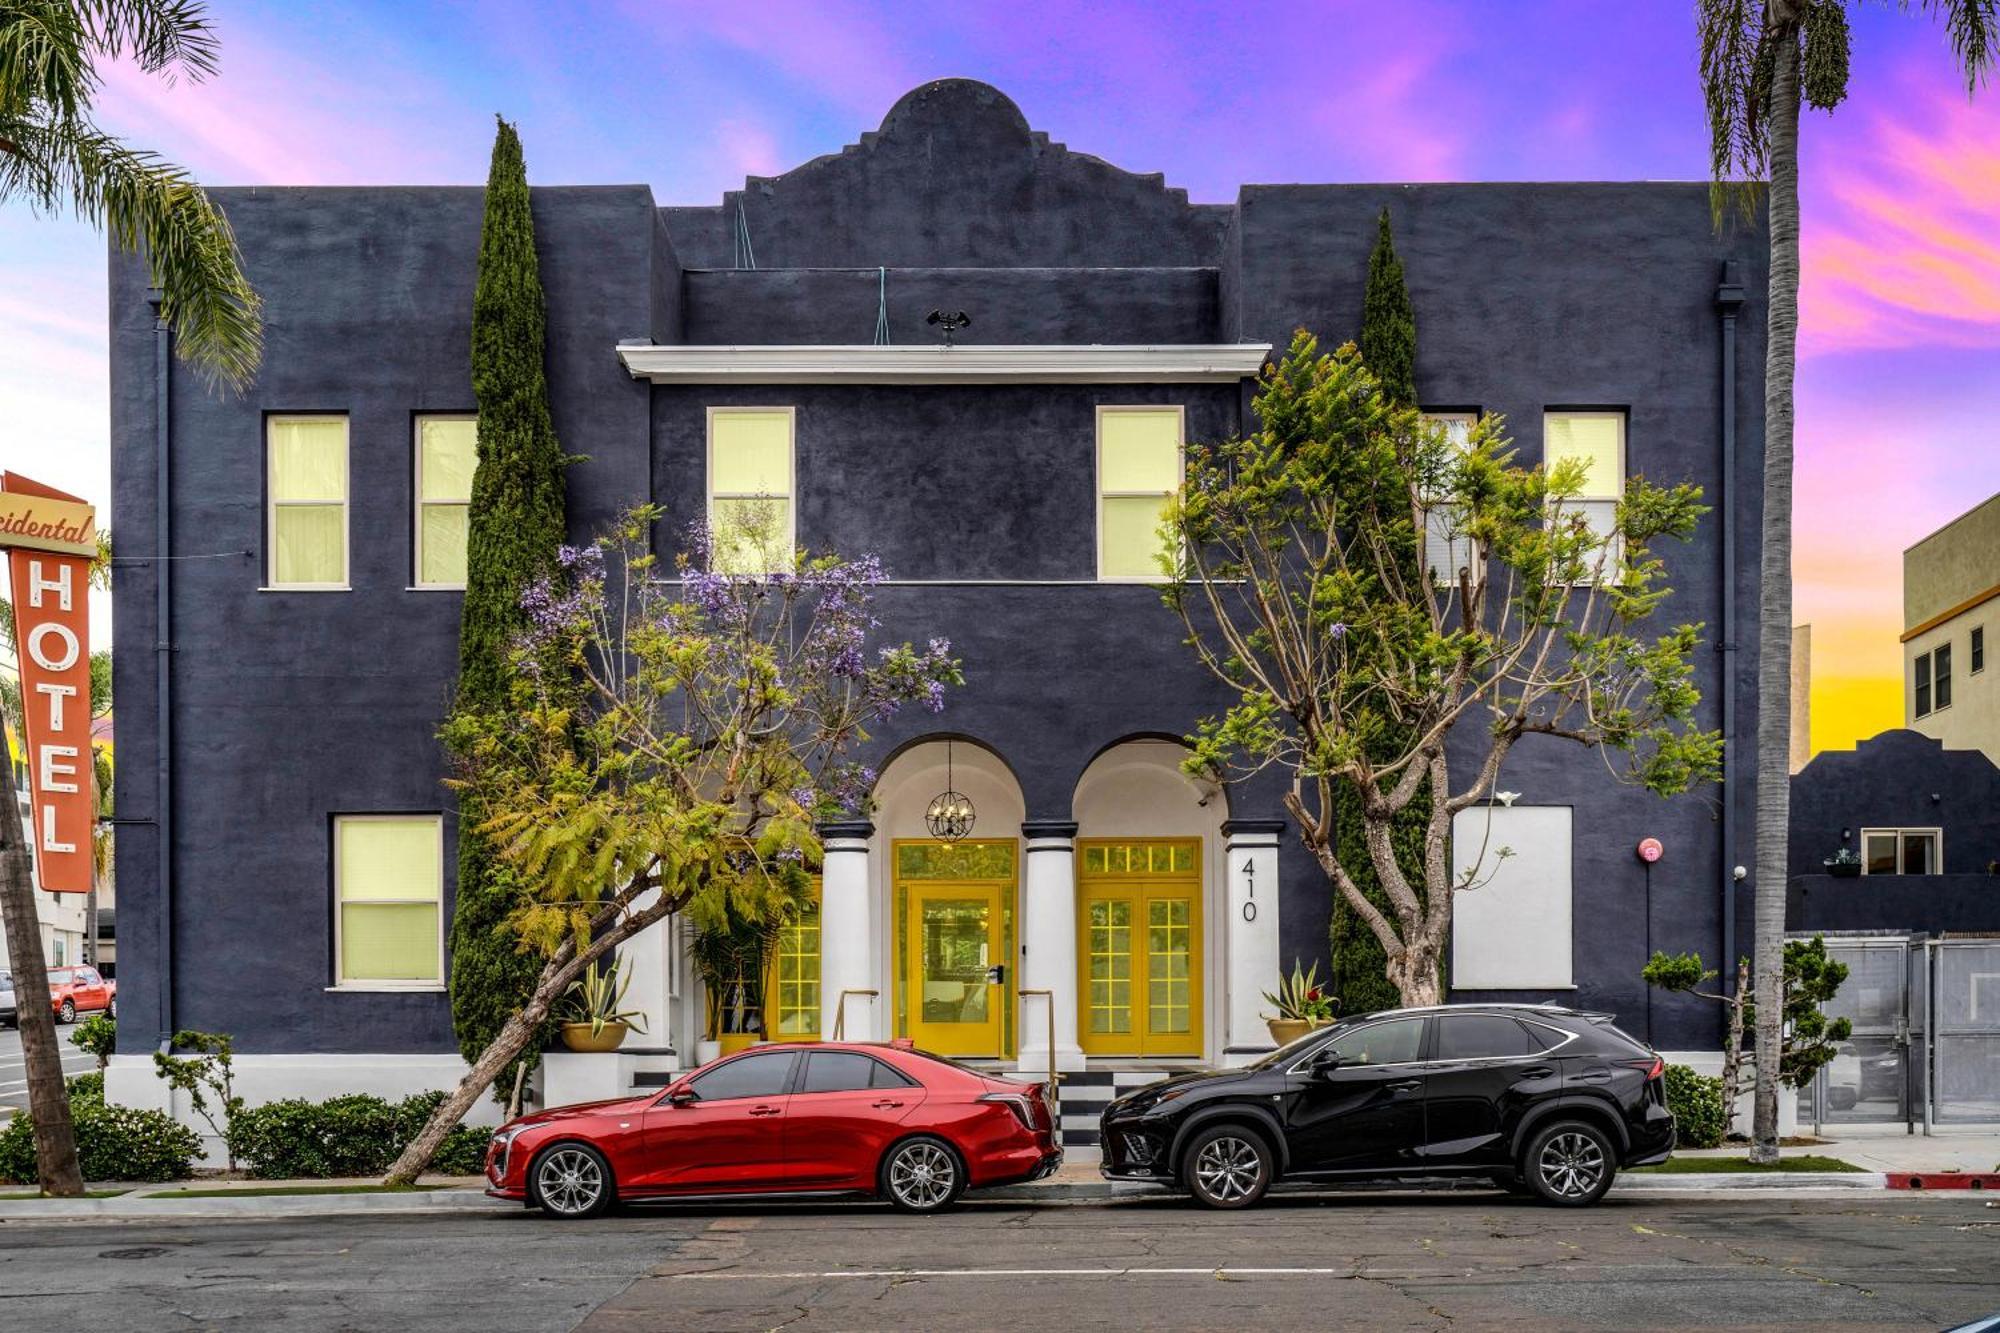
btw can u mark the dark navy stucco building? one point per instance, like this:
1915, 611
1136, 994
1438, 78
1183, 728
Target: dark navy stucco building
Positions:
284, 867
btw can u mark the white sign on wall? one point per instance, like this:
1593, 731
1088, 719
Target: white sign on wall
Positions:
1512, 932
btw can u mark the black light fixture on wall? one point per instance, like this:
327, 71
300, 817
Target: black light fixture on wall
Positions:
950, 816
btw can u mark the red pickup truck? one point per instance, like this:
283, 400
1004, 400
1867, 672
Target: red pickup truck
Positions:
74, 990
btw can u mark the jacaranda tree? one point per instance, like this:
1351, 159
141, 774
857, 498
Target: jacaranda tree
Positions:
1290, 582
670, 747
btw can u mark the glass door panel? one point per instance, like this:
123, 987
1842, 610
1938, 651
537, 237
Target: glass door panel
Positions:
954, 939
1108, 1011
1139, 941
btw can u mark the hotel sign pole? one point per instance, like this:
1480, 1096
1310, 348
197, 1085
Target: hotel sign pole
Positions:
50, 539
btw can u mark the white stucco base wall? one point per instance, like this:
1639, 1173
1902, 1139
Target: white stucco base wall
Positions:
1710, 1064
129, 1080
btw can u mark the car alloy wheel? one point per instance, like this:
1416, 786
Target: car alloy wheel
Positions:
921, 1176
1571, 1165
1228, 1168
66, 1014
111, 1010
571, 1181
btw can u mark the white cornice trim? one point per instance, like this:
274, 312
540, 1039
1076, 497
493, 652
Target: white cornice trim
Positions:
1046, 363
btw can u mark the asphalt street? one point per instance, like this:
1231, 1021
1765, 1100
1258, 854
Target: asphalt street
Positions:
1464, 1261
14, 1069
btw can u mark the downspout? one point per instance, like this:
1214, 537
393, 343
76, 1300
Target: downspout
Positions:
1728, 301
163, 658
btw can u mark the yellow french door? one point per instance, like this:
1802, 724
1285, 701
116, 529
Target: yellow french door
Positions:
791, 984
1139, 946
957, 1002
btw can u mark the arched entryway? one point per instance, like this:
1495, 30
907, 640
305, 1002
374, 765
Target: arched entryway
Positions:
1148, 853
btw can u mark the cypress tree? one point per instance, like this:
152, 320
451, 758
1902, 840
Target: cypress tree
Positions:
1388, 345
513, 529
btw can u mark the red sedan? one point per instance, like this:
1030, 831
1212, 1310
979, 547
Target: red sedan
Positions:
886, 1121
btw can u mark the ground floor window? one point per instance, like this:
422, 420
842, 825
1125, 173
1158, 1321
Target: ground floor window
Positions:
793, 982
1511, 925
388, 877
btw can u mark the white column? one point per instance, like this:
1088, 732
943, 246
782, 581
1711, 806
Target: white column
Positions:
1048, 946
846, 930
1250, 848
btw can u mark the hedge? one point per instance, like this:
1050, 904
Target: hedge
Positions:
356, 1135
1696, 1101
112, 1142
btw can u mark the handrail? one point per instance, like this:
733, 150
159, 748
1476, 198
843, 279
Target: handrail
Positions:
1055, 1085
840, 1011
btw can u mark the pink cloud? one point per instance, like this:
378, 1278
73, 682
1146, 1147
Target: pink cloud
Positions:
1901, 241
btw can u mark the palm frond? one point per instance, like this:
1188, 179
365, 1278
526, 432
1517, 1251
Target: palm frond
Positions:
152, 206
163, 36
44, 59
1973, 28
1732, 36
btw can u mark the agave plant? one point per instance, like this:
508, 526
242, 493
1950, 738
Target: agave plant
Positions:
1300, 998
596, 996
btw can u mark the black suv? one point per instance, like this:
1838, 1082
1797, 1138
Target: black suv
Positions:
1539, 1099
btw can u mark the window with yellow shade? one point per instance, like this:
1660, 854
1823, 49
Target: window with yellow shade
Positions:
306, 480
1597, 441
447, 456
1138, 470
750, 496
388, 877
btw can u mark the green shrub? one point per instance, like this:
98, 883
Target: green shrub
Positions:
357, 1135
1696, 1101
86, 1087
112, 1143
98, 1035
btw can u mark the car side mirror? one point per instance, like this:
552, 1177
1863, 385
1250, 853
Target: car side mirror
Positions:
1325, 1063
682, 1097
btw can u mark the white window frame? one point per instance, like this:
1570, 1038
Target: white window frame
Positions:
1097, 476
791, 498
1937, 842
272, 503
341, 982
1615, 557
1475, 558
417, 501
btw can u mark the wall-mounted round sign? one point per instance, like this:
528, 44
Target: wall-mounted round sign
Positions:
1650, 850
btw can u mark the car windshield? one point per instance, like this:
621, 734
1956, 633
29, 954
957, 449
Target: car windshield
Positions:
58, 974
1297, 1047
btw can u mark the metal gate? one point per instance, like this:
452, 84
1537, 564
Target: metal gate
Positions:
1926, 1042
1966, 1017
1877, 1076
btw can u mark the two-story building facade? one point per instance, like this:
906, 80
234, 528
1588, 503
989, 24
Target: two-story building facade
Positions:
289, 879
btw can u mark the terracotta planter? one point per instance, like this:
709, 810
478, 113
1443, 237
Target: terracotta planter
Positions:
579, 1037
1285, 1031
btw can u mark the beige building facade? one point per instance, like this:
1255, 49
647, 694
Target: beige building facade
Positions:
1951, 612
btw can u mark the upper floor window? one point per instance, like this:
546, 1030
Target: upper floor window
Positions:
1597, 439
1933, 680
1902, 851
750, 509
1977, 656
1138, 470
447, 455
1447, 551
388, 889
306, 527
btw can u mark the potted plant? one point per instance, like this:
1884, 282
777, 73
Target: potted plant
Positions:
730, 962
593, 1019
1301, 1005
1843, 864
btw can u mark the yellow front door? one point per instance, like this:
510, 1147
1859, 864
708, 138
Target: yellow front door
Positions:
957, 999
1139, 946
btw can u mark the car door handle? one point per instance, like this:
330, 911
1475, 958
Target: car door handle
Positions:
885, 1103
1407, 1085
1539, 1071
766, 1110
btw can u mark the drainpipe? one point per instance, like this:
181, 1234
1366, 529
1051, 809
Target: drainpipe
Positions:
163, 658
1728, 301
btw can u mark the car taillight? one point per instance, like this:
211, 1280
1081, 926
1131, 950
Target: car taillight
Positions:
1655, 1067
1018, 1103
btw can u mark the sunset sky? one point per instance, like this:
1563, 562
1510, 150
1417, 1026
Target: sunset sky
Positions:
1898, 391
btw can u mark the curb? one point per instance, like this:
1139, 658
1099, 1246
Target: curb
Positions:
1949, 1179
283, 1205
1719, 1182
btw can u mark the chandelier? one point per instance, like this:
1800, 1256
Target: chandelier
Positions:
950, 815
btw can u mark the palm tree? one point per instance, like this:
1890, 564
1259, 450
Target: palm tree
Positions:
1760, 60
53, 156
